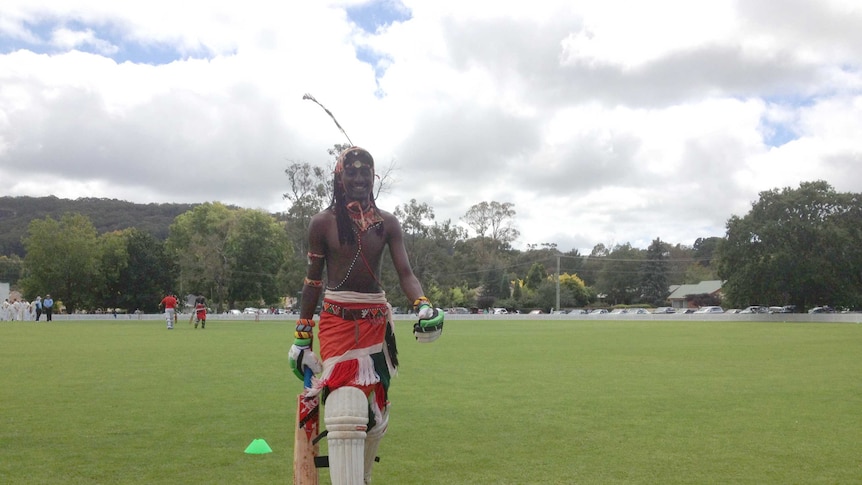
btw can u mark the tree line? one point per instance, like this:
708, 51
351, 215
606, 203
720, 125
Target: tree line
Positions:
795, 247
106, 215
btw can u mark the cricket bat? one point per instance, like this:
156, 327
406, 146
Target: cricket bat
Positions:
307, 428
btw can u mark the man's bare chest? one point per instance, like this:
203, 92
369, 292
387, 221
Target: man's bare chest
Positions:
370, 244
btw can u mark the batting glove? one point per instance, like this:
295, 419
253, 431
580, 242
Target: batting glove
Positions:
300, 356
430, 324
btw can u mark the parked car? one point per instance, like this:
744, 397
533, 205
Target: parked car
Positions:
578, 311
459, 310
638, 311
710, 309
234, 311
598, 311
250, 311
664, 309
619, 311
686, 311
536, 312
501, 311
755, 309
822, 309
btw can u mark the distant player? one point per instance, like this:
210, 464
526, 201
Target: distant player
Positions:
201, 312
5, 309
169, 302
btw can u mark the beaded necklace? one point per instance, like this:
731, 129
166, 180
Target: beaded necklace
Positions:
363, 218
358, 253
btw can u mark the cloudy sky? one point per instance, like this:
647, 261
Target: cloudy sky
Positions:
602, 121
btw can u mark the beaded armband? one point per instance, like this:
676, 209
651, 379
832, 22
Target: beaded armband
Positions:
304, 329
313, 283
313, 256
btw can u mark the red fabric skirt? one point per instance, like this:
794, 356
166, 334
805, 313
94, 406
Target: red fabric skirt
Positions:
352, 351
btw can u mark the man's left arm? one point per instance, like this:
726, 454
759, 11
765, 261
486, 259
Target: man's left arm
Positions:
406, 278
430, 324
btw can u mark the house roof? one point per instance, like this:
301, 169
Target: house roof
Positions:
704, 287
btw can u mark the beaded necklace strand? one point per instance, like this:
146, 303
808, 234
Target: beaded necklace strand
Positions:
356, 257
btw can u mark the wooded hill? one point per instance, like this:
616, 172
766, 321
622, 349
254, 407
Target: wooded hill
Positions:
106, 215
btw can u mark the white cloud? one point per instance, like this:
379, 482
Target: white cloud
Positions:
67, 39
609, 122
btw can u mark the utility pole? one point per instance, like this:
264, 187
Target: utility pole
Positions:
558, 283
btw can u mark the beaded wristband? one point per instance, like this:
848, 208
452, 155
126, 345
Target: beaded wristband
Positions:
304, 329
313, 283
305, 321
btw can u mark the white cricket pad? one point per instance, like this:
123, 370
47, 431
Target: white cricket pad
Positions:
372, 441
345, 415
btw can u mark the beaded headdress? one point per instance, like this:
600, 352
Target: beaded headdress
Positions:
356, 157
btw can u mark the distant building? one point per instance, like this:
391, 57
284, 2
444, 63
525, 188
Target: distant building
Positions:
680, 295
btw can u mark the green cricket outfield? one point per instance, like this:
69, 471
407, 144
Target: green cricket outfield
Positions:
492, 402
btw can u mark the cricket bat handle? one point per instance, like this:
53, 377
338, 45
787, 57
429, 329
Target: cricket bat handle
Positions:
306, 381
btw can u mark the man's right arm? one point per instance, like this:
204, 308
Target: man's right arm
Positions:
313, 283
301, 353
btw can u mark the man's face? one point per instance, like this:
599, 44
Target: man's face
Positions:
358, 181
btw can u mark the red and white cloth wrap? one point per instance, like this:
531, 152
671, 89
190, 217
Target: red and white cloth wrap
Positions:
347, 346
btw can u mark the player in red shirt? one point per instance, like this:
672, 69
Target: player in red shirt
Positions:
200, 312
169, 302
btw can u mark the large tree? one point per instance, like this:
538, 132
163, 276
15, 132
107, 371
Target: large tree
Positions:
494, 220
430, 246
309, 192
592, 265
10, 270
63, 259
535, 276
415, 219
618, 277
654, 271
256, 249
148, 272
576, 293
229, 255
198, 246
114, 259
796, 246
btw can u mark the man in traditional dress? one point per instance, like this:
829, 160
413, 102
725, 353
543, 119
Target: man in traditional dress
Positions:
356, 337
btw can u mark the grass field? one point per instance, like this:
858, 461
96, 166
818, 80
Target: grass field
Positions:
491, 402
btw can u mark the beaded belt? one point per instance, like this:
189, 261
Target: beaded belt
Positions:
355, 313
